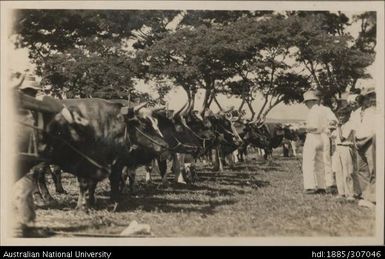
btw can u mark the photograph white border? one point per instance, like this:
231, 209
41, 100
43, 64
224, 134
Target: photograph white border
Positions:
6, 116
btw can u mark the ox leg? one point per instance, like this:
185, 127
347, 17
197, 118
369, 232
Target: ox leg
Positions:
260, 152
42, 195
91, 190
149, 169
193, 172
214, 160
218, 161
293, 147
285, 148
214, 155
56, 177
245, 154
232, 159
265, 154
117, 182
155, 168
83, 194
178, 161
132, 181
240, 155
162, 166
236, 156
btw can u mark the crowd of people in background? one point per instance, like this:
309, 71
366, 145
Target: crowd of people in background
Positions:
340, 147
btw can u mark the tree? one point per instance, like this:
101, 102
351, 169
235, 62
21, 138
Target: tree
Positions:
328, 52
239, 58
194, 18
201, 57
85, 52
366, 40
268, 71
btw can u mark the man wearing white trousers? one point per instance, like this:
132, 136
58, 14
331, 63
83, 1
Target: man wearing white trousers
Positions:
313, 165
329, 122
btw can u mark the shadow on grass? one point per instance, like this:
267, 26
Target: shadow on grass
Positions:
153, 204
213, 189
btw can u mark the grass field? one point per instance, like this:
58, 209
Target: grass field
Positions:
254, 199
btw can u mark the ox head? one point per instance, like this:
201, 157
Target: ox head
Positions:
143, 129
183, 117
175, 131
225, 130
256, 135
70, 139
279, 130
290, 132
69, 125
201, 125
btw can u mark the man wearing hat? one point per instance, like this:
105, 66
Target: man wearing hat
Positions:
344, 157
30, 86
365, 136
313, 164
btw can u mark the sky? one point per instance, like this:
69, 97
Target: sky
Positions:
17, 60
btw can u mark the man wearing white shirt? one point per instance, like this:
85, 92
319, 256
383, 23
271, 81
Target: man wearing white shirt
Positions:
329, 122
313, 161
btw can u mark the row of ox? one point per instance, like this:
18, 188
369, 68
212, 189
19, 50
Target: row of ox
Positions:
95, 138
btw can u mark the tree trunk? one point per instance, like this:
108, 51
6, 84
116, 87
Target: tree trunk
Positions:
271, 107
206, 101
313, 73
192, 100
241, 106
263, 106
243, 99
217, 103
251, 110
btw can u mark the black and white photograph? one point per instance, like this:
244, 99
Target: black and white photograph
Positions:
247, 123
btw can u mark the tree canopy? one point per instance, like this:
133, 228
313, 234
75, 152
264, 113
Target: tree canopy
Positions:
101, 53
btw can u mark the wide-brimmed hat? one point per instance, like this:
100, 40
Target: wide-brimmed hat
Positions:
310, 96
352, 97
30, 82
368, 90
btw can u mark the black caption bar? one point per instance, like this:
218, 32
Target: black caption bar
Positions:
311, 252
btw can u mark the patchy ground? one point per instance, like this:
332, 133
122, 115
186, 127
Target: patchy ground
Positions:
254, 199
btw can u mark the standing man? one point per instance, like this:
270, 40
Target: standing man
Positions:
313, 157
366, 146
329, 123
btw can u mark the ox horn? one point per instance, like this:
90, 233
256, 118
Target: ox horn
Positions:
158, 109
178, 112
187, 109
139, 106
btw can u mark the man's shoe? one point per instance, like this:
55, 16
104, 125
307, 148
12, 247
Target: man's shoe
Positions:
331, 190
310, 191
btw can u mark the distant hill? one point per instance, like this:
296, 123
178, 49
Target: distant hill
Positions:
285, 120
